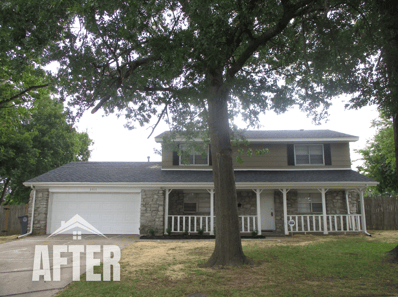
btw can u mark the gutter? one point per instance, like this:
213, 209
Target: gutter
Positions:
33, 213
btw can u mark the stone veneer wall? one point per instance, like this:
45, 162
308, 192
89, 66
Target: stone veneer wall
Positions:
335, 204
278, 208
247, 201
40, 213
353, 199
176, 202
152, 211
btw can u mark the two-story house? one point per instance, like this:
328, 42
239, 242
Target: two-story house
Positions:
303, 184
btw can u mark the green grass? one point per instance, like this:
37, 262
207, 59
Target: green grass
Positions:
345, 267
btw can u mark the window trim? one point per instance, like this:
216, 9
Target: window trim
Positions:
309, 144
194, 153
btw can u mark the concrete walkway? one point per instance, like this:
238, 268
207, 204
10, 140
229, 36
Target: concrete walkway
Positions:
17, 257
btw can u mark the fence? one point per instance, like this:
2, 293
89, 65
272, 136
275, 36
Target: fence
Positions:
381, 213
9, 222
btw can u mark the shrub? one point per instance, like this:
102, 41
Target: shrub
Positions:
254, 233
151, 232
200, 232
185, 233
168, 230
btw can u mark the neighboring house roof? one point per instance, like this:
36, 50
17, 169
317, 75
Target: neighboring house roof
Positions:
150, 173
287, 135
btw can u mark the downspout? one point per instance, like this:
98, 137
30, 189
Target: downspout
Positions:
363, 211
33, 212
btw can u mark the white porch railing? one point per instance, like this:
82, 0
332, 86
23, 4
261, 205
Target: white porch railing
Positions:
192, 223
180, 223
335, 223
248, 223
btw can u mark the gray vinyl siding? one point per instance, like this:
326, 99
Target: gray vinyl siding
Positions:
275, 159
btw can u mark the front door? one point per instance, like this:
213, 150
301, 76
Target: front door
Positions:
267, 211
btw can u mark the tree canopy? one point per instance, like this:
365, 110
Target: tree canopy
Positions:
36, 134
198, 64
26, 30
379, 158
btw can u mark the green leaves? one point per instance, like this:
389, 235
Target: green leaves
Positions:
379, 158
36, 140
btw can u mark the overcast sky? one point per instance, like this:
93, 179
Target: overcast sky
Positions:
113, 142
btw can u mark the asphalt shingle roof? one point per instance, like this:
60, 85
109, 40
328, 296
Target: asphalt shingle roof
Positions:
150, 172
286, 134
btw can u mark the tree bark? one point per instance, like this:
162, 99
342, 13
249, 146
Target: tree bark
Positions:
228, 250
3, 194
395, 126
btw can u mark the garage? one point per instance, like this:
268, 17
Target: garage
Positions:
110, 213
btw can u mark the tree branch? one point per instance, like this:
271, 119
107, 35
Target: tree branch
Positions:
21, 93
137, 63
289, 13
160, 117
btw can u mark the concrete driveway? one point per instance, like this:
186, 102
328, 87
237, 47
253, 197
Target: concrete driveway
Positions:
17, 257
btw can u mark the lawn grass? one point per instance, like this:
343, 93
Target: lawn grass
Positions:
349, 266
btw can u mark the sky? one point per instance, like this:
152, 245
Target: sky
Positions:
113, 142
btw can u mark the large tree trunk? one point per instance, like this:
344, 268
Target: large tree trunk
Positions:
228, 249
395, 126
3, 193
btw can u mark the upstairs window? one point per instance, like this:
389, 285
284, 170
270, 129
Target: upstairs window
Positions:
195, 158
309, 154
309, 203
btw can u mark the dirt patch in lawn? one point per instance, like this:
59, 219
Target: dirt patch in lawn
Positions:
4, 239
144, 255
175, 258
388, 236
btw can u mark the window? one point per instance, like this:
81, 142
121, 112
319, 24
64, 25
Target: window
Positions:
309, 202
309, 154
193, 158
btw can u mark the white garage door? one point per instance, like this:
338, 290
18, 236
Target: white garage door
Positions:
109, 213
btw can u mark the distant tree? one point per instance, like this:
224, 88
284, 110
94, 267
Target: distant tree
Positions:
379, 158
33, 141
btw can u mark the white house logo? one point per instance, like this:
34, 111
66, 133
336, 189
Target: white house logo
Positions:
76, 222
110, 255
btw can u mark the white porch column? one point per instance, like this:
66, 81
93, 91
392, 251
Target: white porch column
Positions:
284, 192
166, 210
348, 210
348, 203
361, 193
258, 192
211, 191
325, 224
